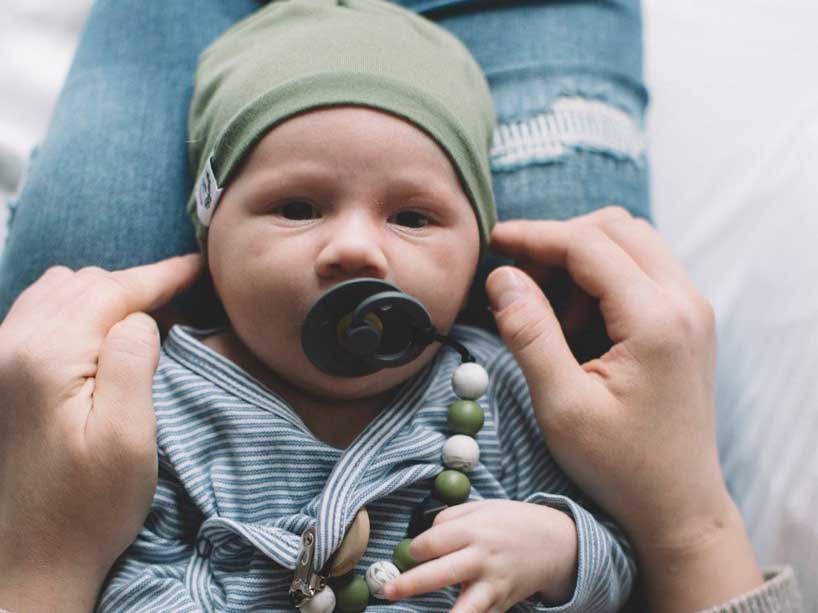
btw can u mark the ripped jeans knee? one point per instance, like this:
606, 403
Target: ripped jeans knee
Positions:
566, 148
570, 124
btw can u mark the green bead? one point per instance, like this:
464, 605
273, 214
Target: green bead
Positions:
336, 582
352, 596
452, 487
465, 417
401, 556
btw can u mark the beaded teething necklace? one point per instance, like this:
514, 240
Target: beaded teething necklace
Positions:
379, 309
350, 593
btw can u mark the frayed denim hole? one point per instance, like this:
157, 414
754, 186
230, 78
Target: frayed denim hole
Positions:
570, 124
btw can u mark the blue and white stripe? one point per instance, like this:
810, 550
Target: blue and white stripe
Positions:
241, 477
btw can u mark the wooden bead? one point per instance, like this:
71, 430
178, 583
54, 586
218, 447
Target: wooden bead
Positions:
461, 452
465, 417
401, 556
470, 381
322, 602
452, 487
378, 575
353, 546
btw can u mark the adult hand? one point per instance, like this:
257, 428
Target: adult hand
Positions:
634, 428
78, 462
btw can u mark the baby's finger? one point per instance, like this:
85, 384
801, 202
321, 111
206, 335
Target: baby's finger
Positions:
457, 567
478, 596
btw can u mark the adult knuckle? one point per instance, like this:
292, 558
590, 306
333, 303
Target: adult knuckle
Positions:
615, 212
671, 327
57, 271
587, 233
681, 320
92, 271
643, 224
606, 217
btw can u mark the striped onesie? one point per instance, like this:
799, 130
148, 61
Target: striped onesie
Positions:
241, 478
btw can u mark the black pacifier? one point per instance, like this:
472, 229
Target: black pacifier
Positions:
361, 326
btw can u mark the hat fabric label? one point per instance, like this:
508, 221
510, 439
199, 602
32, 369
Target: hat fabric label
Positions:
208, 193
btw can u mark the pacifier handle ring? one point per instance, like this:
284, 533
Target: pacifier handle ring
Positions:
412, 309
424, 332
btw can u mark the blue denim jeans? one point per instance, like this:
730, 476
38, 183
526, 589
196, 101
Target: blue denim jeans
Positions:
109, 184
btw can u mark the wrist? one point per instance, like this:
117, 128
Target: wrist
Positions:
562, 580
32, 585
703, 564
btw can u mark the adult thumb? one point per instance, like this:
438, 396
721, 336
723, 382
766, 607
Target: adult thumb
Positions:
531, 331
123, 404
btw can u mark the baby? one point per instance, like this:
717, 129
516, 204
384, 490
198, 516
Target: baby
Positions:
337, 140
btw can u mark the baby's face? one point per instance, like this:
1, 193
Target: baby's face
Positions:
333, 195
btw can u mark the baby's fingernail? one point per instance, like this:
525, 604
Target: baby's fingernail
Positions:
507, 287
390, 591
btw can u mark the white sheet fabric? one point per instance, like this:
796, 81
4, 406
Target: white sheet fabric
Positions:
733, 131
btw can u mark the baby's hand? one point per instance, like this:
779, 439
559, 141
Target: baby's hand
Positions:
502, 551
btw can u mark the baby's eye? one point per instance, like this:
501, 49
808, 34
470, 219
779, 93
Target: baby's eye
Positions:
298, 210
411, 219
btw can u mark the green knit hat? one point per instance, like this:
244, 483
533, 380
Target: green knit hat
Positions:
298, 55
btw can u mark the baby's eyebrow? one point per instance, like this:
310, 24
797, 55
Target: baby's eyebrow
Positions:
422, 187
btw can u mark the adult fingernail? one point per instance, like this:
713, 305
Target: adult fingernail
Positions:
507, 287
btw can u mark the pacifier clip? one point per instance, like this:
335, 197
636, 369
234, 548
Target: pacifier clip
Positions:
356, 328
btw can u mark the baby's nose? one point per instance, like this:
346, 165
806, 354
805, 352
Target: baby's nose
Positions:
353, 251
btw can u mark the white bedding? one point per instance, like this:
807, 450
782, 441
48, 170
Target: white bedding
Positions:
733, 132
734, 151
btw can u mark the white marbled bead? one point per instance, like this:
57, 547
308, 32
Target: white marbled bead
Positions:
322, 602
461, 452
378, 575
470, 381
